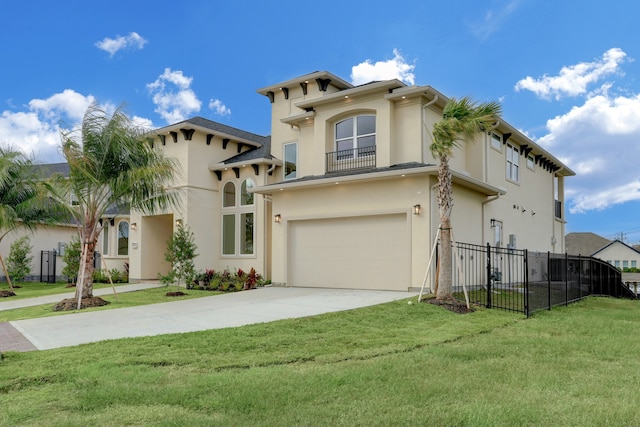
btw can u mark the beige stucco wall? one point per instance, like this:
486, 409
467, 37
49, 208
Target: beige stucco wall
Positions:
45, 238
619, 252
200, 210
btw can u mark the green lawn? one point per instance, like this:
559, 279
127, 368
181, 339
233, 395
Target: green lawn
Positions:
392, 364
124, 299
38, 289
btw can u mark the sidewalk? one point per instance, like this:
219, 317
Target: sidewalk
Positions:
214, 312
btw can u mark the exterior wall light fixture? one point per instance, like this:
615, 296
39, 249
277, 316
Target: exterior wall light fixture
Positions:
179, 222
277, 218
416, 209
134, 226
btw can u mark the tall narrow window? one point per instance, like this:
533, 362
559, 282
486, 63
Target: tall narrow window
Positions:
229, 195
246, 197
229, 234
123, 238
105, 238
290, 160
238, 230
496, 141
356, 136
513, 163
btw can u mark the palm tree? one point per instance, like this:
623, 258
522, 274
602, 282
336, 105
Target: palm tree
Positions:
462, 120
24, 201
111, 166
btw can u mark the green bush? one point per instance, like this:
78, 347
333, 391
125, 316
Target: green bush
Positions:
71, 258
19, 261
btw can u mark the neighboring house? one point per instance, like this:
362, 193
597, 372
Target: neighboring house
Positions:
615, 252
343, 193
49, 242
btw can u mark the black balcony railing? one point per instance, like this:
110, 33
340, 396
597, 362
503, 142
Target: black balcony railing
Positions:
353, 158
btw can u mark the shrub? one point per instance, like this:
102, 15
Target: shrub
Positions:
71, 257
181, 250
19, 261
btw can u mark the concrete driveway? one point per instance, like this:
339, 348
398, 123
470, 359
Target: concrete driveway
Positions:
215, 312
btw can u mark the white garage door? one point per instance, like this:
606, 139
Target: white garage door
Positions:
369, 252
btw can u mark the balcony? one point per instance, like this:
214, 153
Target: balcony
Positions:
351, 159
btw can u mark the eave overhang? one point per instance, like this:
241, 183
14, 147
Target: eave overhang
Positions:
327, 180
366, 89
186, 125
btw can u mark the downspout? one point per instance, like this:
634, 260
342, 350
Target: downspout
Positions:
489, 200
424, 121
553, 218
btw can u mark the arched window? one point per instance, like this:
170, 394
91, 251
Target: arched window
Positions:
229, 195
123, 238
238, 233
246, 197
356, 136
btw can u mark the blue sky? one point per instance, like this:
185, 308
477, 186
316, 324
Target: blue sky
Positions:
566, 73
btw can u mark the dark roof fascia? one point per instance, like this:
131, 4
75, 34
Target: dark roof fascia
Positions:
616, 241
216, 128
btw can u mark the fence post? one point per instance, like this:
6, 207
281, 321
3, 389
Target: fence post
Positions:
566, 278
488, 275
526, 283
549, 279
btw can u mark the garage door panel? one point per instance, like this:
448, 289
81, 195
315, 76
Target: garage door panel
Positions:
370, 252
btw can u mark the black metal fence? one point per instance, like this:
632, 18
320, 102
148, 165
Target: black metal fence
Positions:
525, 282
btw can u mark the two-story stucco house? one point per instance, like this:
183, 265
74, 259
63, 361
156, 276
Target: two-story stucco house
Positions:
342, 194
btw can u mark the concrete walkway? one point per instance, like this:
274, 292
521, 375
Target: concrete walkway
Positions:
215, 312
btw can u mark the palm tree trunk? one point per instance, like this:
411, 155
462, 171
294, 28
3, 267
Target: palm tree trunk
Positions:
85, 273
445, 205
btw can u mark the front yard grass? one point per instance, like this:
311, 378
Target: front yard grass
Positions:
391, 364
39, 289
125, 299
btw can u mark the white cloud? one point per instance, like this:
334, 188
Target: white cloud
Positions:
172, 94
492, 20
599, 140
396, 68
219, 108
112, 46
37, 130
574, 79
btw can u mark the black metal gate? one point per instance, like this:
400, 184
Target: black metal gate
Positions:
48, 266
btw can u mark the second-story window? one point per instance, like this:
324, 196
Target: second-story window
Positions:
290, 160
496, 141
513, 163
356, 136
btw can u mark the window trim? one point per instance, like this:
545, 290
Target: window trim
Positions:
124, 221
514, 151
237, 211
498, 148
355, 136
284, 156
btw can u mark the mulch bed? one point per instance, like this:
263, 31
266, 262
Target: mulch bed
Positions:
175, 294
71, 304
451, 305
5, 294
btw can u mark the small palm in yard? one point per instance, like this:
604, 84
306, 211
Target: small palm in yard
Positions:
462, 120
111, 166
